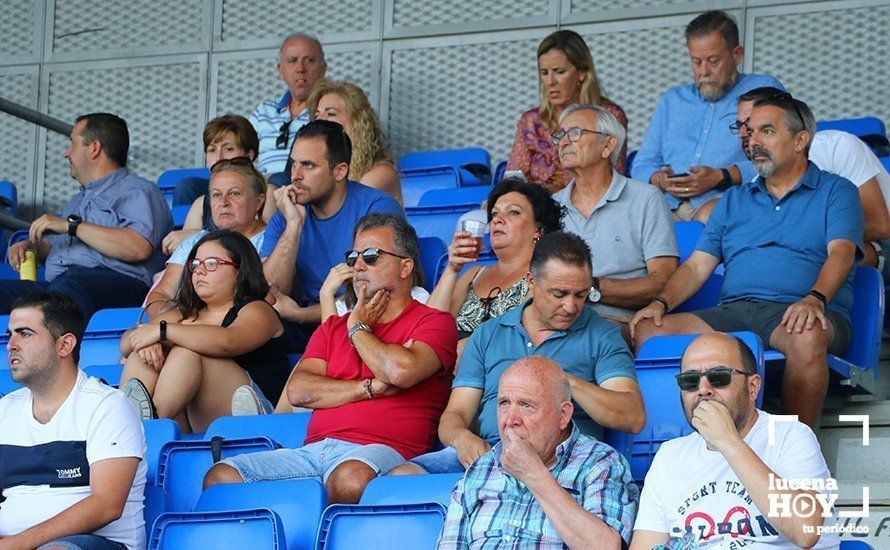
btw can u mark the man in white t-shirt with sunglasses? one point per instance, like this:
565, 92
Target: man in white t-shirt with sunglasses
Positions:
716, 483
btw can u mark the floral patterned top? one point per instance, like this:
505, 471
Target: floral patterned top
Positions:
535, 155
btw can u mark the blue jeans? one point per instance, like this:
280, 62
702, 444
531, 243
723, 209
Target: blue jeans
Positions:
93, 288
439, 462
316, 460
189, 189
84, 542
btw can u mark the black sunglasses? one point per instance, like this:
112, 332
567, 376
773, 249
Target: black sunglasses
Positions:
369, 256
283, 136
718, 377
784, 98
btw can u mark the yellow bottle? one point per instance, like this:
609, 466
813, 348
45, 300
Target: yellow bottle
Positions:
28, 269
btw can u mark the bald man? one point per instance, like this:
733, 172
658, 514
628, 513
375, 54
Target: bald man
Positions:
714, 483
545, 483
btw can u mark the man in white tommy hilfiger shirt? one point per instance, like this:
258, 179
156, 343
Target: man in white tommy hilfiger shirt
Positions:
72, 472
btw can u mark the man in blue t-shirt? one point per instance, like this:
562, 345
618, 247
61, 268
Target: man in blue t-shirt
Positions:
788, 241
557, 324
317, 213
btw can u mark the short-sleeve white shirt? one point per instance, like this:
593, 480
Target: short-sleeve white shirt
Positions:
848, 156
688, 484
94, 420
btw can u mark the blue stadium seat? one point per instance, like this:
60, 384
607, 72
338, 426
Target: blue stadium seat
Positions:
157, 433
436, 221
855, 545
631, 155
858, 366
4, 324
9, 196
179, 215
886, 162
298, 502
856, 126
410, 489
168, 180
486, 257
406, 527
102, 338
287, 429
473, 163
707, 296
499, 172
260, 528
7, 384
658, 360
183, 464
431, 249
110, 374
468, 197
687, 235
417, 182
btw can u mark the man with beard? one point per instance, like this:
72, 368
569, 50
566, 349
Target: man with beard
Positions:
377, 378
720, 483
689, 152
788, 241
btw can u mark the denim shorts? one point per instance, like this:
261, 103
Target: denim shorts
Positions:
85, 542
439, 462
316, 460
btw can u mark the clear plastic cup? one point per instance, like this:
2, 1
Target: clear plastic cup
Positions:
477, 230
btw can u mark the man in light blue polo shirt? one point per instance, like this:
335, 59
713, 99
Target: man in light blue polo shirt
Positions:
557, 324
689, 152
788, 241
300, 64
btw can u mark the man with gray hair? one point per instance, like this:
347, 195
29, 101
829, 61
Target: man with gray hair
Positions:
788, 241
626, 223
300, 65
544, 484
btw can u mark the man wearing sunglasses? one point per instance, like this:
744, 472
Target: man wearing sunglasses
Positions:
376, 378
788, 241
715, 483
316, 214
301, 64
688, 151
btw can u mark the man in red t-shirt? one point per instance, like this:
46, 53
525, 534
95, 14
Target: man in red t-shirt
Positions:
378, 378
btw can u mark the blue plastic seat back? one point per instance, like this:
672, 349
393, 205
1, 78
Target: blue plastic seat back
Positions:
298, 502
417, 182
4, 324
486, 257
260, 528
866, 318
886, 162
180, 213
431, 249
110, 374
9, 196
855, 545
406, 527
657, 362
472, 162
289, 430
707, 296
7, 384
168, 180
113, 320
466, 197
856, 126
101, 341
157, 433
436, 221
410, 489
184, 463
687, 235
499, 172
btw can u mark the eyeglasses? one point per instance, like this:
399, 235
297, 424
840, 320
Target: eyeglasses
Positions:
283, 136
574, 134
737, 126
718, 377
234, 161
210, 264
369, 256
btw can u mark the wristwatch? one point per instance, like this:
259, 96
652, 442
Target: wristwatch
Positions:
594, 295
73, 221
355, 328
162, 328
726, 182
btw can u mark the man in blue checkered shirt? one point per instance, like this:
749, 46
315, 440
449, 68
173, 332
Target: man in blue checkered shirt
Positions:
545, 485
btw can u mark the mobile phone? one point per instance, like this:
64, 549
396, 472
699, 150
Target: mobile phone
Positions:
683, 175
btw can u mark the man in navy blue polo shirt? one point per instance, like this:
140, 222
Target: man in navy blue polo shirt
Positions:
788, 241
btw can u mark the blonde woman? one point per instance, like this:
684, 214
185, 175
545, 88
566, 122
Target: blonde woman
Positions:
567, 76
346, 104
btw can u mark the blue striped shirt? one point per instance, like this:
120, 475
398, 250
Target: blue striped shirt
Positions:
491, 509
267, 120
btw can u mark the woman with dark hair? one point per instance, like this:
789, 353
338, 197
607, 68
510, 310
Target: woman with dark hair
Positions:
187, 363
519, 213
566, 75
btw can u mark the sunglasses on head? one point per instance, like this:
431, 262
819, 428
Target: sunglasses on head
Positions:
718, 377
369, 256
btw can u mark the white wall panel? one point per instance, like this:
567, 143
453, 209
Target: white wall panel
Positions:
18, 139
21, 31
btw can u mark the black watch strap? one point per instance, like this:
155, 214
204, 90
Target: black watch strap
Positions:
163, 331
726, 182
821, 297
73, 222
663, 302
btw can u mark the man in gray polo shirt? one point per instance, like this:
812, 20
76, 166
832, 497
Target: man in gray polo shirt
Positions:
626, 223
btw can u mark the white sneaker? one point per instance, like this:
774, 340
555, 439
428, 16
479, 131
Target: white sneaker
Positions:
246, 402
138, 396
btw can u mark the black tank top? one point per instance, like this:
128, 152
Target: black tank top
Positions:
267, 365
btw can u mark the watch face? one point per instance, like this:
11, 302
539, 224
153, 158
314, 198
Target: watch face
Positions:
594, 295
